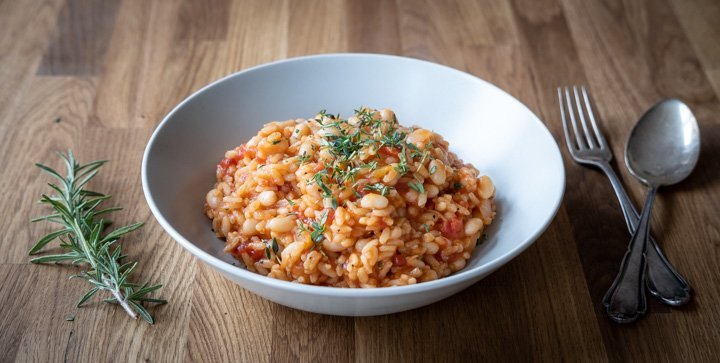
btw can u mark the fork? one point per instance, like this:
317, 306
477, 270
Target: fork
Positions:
588, 146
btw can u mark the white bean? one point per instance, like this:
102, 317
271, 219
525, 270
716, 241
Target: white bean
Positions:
275, 143
432, 190
438, 177
328, 131
374, 201
486, 189
213, 198
306, 148
267, 198
248, 227
473, 226
422, 199
387, 115
281, 224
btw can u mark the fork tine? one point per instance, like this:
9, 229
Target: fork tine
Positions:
596, 128
581, 115
568, 139
571, 113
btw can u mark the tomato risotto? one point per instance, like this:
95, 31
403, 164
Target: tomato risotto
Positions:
356, 202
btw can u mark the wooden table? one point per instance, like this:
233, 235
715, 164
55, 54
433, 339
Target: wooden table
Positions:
98, 76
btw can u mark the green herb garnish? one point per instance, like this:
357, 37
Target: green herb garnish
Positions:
85, 241
302, 159
378, 187
271, 249
402, 167
318, 228
417, 186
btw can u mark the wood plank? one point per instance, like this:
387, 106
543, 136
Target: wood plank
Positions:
699, 20
207, 20
489, 22
229, 323
326, 34
30, 328
421, 38
81, 36
258, 34
48, 119
714, 78
479, 323
122, 86
22, 49
307, 337
378, 31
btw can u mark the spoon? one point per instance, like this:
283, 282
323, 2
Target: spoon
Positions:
662, 149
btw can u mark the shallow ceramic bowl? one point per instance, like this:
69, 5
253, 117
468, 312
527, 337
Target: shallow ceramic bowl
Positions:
484, 126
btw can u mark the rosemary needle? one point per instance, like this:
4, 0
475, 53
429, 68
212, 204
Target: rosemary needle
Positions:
86, 243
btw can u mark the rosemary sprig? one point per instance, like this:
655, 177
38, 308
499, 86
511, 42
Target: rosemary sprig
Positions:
82, 235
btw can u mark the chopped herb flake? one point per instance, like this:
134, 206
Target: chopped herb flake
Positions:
417, 186
378, 187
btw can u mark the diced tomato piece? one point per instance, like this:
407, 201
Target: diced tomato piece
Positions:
330, 217
389, 151
402, 187
226, 163
399, 260
453, 228
256, 255
360, 187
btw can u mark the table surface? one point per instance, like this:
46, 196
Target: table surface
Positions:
98, 76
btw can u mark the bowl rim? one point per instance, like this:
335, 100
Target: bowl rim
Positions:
242, 273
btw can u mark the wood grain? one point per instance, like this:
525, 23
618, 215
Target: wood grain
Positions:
97, 77
81, 37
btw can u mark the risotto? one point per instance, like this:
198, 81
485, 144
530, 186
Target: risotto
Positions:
356, 202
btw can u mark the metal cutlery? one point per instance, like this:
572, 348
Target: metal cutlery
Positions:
587, 146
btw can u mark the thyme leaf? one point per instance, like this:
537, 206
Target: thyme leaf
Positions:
418, 186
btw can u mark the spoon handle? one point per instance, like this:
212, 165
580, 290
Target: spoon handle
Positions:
662, 280
625, 300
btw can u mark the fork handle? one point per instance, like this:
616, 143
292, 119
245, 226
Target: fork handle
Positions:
625, 300
661, 279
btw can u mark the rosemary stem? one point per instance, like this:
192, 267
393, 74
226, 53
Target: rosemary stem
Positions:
120, 298
86, 241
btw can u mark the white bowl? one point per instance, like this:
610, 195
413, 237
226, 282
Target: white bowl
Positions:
484, 126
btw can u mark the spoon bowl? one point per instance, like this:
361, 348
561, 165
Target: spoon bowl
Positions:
664, 146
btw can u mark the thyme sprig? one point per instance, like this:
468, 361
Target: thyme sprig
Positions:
378, 187
82, 235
